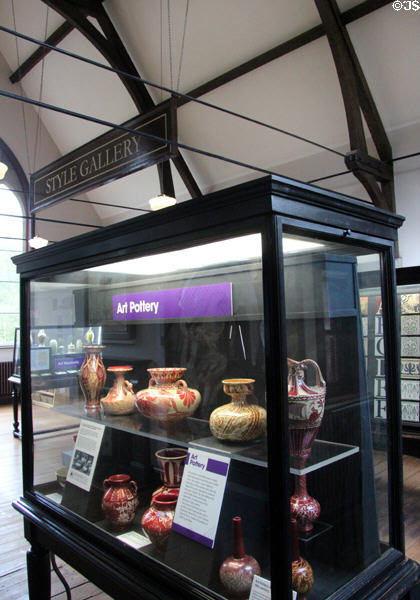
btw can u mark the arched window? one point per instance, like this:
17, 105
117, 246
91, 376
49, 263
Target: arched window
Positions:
13, 235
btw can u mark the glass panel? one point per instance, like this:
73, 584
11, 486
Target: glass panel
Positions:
169, 328
337, 441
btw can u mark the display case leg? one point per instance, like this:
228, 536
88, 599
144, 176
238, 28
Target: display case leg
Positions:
39, 573
16, 400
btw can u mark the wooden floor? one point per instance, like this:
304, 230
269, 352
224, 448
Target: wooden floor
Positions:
13, 546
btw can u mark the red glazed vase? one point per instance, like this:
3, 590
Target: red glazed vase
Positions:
171, 464
119, 502
92, 377
303, 507
306, 408
120, 398
168, 399
302, 574
237, 571
157, 520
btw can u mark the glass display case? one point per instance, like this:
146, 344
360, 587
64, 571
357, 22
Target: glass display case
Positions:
221, 433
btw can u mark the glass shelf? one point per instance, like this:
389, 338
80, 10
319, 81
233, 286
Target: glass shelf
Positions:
323, 453
194, 433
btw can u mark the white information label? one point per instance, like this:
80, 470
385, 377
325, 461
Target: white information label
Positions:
134, 539
201, 496
261, 589
85, 454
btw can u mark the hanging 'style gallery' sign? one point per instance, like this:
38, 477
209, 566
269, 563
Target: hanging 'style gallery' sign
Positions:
213, 300
108, 157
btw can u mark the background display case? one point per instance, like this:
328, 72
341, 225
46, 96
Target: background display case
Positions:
408, 289
221, 435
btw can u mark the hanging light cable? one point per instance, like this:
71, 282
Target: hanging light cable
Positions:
163, 200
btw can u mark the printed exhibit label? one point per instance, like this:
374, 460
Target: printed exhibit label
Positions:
213, 300
261, 589
85, 454
201, 496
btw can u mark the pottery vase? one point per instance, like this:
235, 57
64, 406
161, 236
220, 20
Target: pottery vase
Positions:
303, 507
306, 409
302, 574
41, 337
237, 571
171, 463
238, 421
90, 336
92, 377
168, 399
157, 520
120, 399
119, 502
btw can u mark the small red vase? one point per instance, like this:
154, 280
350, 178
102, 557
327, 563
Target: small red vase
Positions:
303, 507
302, 574
157, 520
171, 463
119, 502
237, 571
92, 376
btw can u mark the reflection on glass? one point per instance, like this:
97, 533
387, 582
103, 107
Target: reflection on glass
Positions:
337, 436
157, 364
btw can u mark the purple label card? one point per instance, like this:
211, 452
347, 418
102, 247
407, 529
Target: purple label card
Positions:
201, 496
67, 363
213, 300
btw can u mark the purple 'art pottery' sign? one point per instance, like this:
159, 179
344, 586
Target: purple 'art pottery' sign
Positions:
180, 303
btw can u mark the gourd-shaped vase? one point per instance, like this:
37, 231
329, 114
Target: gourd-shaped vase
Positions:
303, 507
168, 399
157, 520
120, 502
237, 571
120, 400
92, 377
302, 574
306, 408
240, 420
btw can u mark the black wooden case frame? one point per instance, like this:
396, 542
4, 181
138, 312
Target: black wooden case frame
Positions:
269, 206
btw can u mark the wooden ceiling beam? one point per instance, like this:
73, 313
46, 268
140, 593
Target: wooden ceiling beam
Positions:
53, 40
375, 175
107, 41
315, 33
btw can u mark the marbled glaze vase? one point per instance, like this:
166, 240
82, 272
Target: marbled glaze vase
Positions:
306, 408
239, 421
119, 502
92, 377
120, 400
157, 520
168, 399
237, 571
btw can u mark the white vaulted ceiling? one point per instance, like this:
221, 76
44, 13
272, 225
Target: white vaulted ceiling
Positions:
299, 92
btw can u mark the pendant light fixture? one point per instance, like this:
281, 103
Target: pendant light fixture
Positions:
3, 170
37, 242
161, 201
